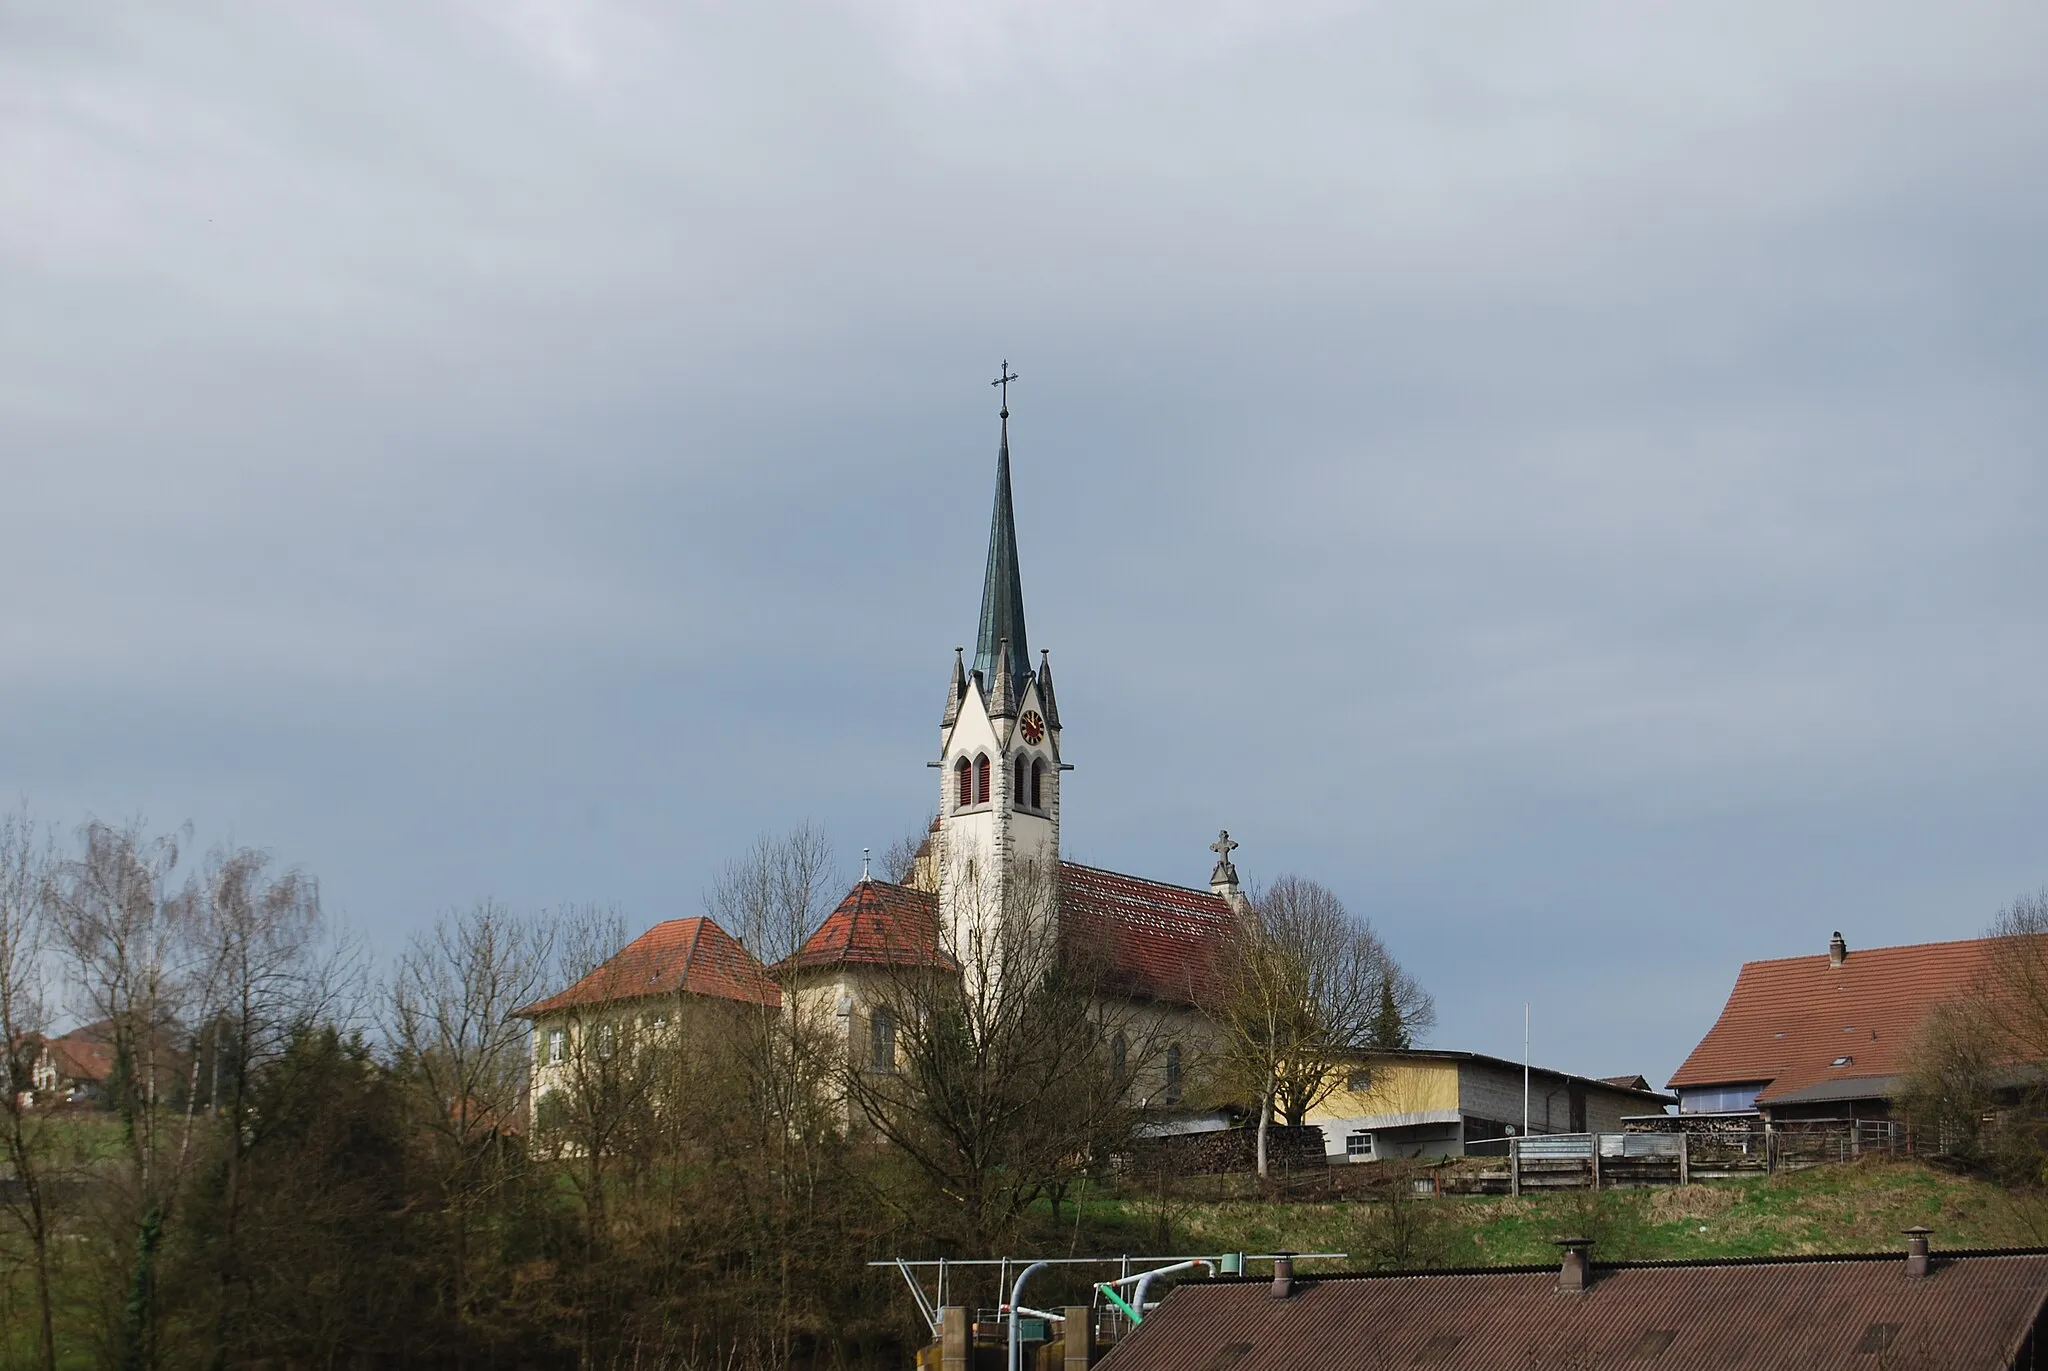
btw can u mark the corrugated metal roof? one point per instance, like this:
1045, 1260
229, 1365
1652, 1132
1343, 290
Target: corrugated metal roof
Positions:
1810, 1315
1789, 1021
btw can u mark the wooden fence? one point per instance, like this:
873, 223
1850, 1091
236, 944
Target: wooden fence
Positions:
1596, 1161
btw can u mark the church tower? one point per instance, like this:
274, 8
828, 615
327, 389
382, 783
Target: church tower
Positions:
999, 763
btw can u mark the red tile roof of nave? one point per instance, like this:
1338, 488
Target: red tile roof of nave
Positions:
1787, 1020
681, 956
1158, 941
877, 924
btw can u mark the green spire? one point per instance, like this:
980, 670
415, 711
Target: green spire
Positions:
1002, 589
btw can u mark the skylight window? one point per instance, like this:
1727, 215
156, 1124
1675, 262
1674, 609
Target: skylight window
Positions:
1841, 1061
1652, 1343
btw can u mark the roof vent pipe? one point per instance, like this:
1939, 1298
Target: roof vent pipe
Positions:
1838, 951
1916, 1251
1283, 1275
1575, 1274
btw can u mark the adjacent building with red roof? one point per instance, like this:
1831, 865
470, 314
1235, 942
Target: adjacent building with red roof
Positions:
653, 984
1825, 1036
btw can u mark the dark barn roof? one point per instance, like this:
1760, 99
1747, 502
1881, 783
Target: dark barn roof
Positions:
1806, 1314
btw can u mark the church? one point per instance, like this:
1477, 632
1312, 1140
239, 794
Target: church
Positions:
988, 881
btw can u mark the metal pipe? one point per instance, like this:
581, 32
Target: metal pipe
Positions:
1145, 1281
1016, 1359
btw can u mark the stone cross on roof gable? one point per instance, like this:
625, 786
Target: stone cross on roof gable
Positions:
1225, 872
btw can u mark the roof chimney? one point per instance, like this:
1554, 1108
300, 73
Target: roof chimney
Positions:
1283, 1275
1916, 1251
1576, 1274
1838, 951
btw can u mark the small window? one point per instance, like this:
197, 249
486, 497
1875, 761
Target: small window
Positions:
1358, 1146
1358, 1082
1038, 783
557, 1041
1841, 1061
882, 1041
1437, 1350
1879, 1337
963, 772
1119, 1057
1173, 1074
1652, 1343
1022, 779
981, 780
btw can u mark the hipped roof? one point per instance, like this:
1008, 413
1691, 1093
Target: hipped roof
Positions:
877, 924
682, 956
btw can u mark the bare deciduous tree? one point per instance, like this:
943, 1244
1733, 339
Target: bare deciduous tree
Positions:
1974, 1083
262, 972
25, 893
1307, 984
898, 862
451, 1020
992, 1072
779, 1080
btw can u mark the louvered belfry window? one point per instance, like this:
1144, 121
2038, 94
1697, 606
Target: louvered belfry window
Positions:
1038, 784
981, 779
1017, 789
964, 770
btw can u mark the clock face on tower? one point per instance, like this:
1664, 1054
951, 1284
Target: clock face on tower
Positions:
1033, 726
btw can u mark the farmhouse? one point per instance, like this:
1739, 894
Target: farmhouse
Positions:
1824, 1036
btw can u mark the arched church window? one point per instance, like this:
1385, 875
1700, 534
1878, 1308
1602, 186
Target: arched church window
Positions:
1038, 783
1023, 779
882, 1041
963, 772
1173, 1073
981, 779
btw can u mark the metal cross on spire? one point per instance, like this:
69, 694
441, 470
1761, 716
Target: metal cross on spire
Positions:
1004, 382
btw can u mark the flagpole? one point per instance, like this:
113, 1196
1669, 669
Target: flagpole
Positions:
1525, 1068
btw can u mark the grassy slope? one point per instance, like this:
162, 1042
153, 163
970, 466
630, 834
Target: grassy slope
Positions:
1855, 1208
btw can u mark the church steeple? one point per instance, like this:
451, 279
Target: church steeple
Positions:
1002, 587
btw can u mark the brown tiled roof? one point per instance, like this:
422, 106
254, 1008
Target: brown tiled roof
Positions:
1973, 1312
1153, 940
84, 1054
682, 956
877, 924
1156, 941
1788, 1020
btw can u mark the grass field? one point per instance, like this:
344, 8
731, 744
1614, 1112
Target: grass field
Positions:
1856, 1208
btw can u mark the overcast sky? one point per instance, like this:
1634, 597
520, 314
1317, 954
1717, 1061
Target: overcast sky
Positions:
1568, 476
